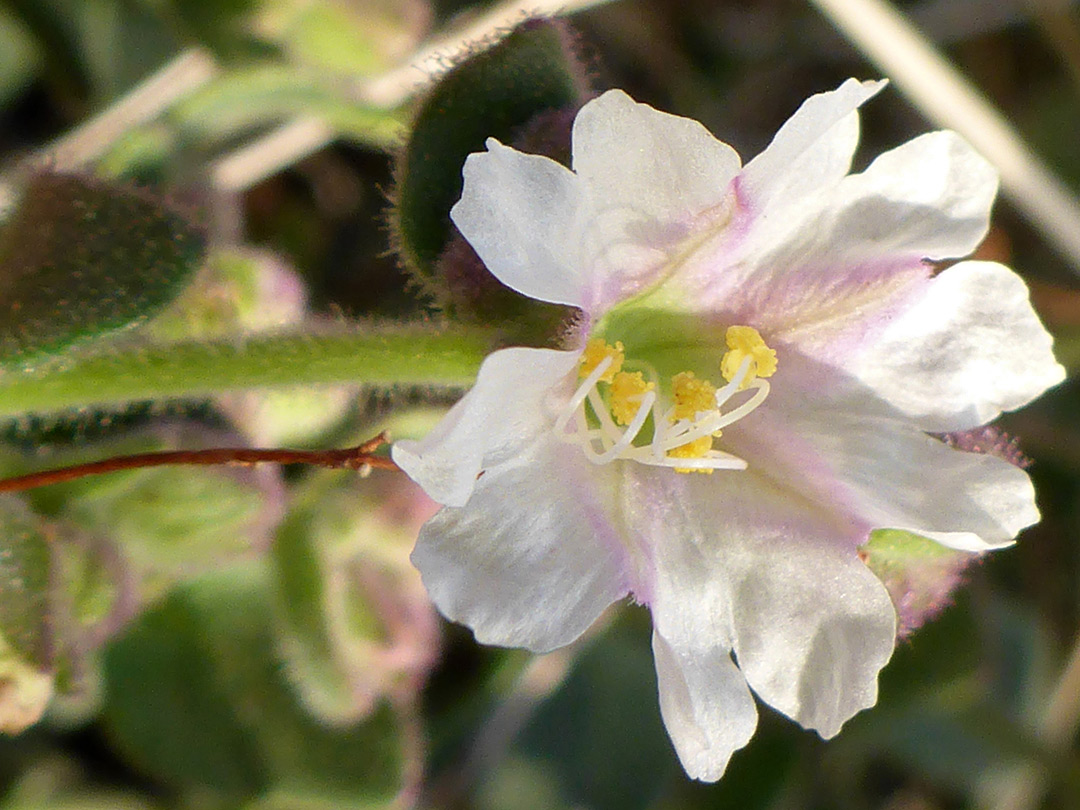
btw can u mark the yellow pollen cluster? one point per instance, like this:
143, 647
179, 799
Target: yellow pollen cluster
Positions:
743, 342
617, 415
624, 395
692, 395
596, 352
698, 448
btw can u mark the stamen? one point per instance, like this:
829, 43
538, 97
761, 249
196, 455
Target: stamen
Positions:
682, 430
698, 448
631, 433
745, 342
692, 395
579, 397
626, 391
597, 350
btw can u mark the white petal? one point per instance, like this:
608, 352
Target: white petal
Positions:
969, 349
518, 212
930, 197
706, 706
846, 449
907, 480
532, 559
813, 149
813, 627
830, 276
739, 563
503, 412
662, 168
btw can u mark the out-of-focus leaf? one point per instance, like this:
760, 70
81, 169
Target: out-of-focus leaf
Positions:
25, 640
602, 729
139, 154
79, 258
356, 622
201, 665
113, 43
257, 96
56, 782
352, 38
25, 568
20, 56
956, 749
177, 519
128, 535
94, 594
222, 24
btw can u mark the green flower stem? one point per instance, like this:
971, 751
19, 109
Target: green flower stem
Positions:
119, 374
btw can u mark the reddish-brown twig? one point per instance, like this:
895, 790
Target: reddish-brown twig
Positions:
361, 458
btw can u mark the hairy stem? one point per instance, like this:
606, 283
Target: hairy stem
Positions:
112, 376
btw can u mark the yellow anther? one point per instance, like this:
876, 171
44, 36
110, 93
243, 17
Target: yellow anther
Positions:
692, 395
698, 448
596, 351
743, 342
624, 395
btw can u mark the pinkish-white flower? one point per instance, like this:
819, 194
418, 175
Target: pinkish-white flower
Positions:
566, 489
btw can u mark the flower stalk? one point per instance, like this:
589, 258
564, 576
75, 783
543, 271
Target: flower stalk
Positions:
114, 376
362, 458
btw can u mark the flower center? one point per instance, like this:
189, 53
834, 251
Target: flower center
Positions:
612, 412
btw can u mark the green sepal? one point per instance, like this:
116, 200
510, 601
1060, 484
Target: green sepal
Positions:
80, 257
920, 574
491, 93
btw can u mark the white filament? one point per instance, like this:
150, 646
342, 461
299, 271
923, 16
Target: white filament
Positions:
608, 442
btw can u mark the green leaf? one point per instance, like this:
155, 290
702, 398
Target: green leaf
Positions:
172, 521
25, 567
602, 729
355, 620
25, 615
199, 701
491, 94
352, 38
79, 258
169, 706
257, 96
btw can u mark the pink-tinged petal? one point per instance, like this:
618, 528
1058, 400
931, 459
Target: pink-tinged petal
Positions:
832, 277
504, 412
532, 559
928, 198
813, 149
813, 627
851, 453
968, 349
739, 563
706, 705
649, 181
519, 212
662, 170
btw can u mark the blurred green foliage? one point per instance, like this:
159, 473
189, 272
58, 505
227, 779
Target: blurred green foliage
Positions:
185, 667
